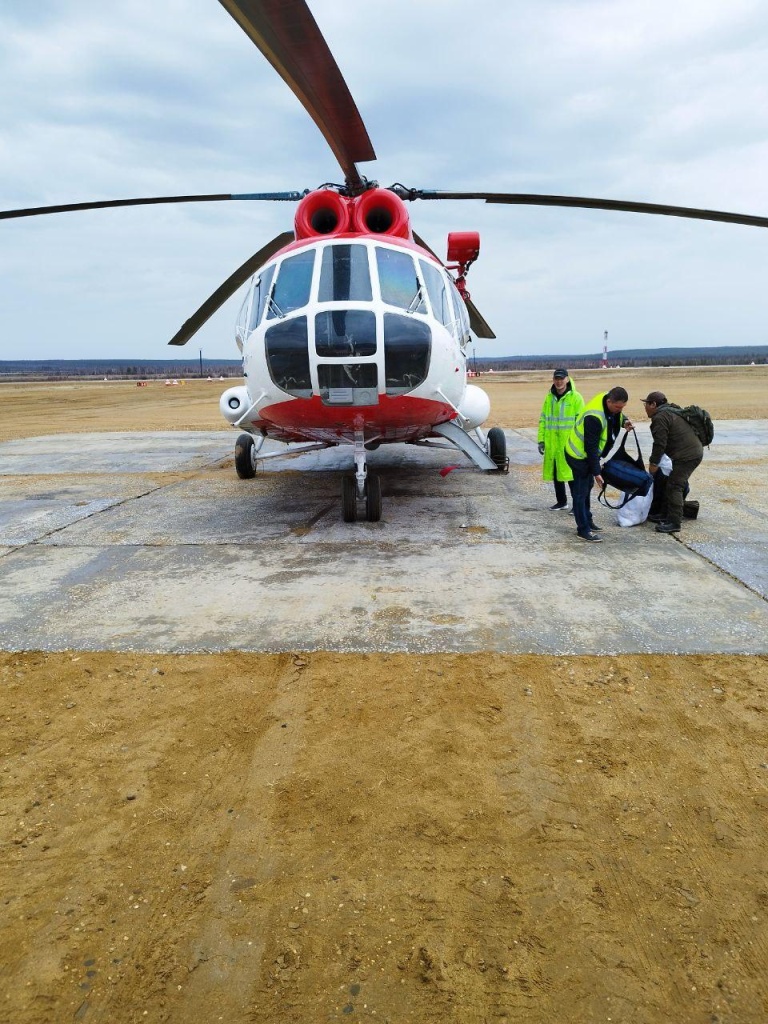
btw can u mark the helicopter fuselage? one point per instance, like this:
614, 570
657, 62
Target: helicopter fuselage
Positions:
355, 336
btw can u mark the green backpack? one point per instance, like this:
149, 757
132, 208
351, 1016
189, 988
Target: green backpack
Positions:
698, 420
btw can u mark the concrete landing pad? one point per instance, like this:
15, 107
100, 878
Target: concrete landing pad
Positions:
150, 542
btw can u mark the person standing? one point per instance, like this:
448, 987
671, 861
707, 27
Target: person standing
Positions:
674, 437
561, 407
592, 437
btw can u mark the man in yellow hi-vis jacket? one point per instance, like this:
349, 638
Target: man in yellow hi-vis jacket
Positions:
559, 412
592, 436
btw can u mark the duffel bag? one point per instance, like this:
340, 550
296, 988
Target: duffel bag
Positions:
624, 472
624, 476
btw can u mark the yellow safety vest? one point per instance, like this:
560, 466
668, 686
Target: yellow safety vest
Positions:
574, 446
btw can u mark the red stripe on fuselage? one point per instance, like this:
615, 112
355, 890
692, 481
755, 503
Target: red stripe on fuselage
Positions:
395, 418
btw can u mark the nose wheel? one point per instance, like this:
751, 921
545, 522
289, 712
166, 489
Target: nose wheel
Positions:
352, 505
362, 489
372, 498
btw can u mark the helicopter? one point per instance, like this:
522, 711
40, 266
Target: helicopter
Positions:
353, 331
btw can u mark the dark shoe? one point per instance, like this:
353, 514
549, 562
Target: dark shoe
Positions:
558, 507
594, 527
656, 517
668, 528
591, 536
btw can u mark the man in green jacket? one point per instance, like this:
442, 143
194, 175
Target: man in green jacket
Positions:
559, 412
672, 436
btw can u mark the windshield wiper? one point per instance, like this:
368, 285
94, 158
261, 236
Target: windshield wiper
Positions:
276, 309
417, 300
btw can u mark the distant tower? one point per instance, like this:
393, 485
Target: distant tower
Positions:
604, 363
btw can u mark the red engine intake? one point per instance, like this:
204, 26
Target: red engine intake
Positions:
463, 247
381, 212
322, 213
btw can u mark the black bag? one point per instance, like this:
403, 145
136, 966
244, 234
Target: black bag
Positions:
691, 509
626, 473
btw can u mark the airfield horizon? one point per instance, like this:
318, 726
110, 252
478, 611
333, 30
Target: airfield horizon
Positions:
31, 408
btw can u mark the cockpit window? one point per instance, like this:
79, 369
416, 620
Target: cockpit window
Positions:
438, 294
399, 283
261, 287
462, 316
294, 280
288, 356
407, 344
344, 274
241, 329
345, 332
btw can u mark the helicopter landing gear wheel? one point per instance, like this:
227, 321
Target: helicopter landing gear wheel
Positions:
348, 499
497, 449
372, 498
245, 457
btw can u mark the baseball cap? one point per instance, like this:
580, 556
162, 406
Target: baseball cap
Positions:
655, 398
560, 372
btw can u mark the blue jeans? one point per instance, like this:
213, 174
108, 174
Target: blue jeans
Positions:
581, 490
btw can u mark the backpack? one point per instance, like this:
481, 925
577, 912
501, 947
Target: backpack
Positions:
698, 420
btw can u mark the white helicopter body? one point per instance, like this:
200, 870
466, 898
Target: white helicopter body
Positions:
355, 334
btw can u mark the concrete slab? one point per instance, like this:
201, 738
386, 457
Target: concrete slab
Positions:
198, 560
25, 520
110, 453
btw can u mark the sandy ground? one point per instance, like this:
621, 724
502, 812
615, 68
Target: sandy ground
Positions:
29, 410
313, 837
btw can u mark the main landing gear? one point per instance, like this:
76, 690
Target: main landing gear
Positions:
488, 452
497, 449
247, 449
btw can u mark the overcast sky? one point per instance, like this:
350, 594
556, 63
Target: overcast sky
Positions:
652, 101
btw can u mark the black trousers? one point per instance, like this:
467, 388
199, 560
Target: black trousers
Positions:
659, 503
560, 496
677, 488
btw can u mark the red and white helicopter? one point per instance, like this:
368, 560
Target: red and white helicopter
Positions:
353, 332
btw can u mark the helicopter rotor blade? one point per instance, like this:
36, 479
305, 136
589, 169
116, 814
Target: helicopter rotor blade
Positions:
229, 287
287, 34
477, 321
580, 202
35, 211
420, 241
